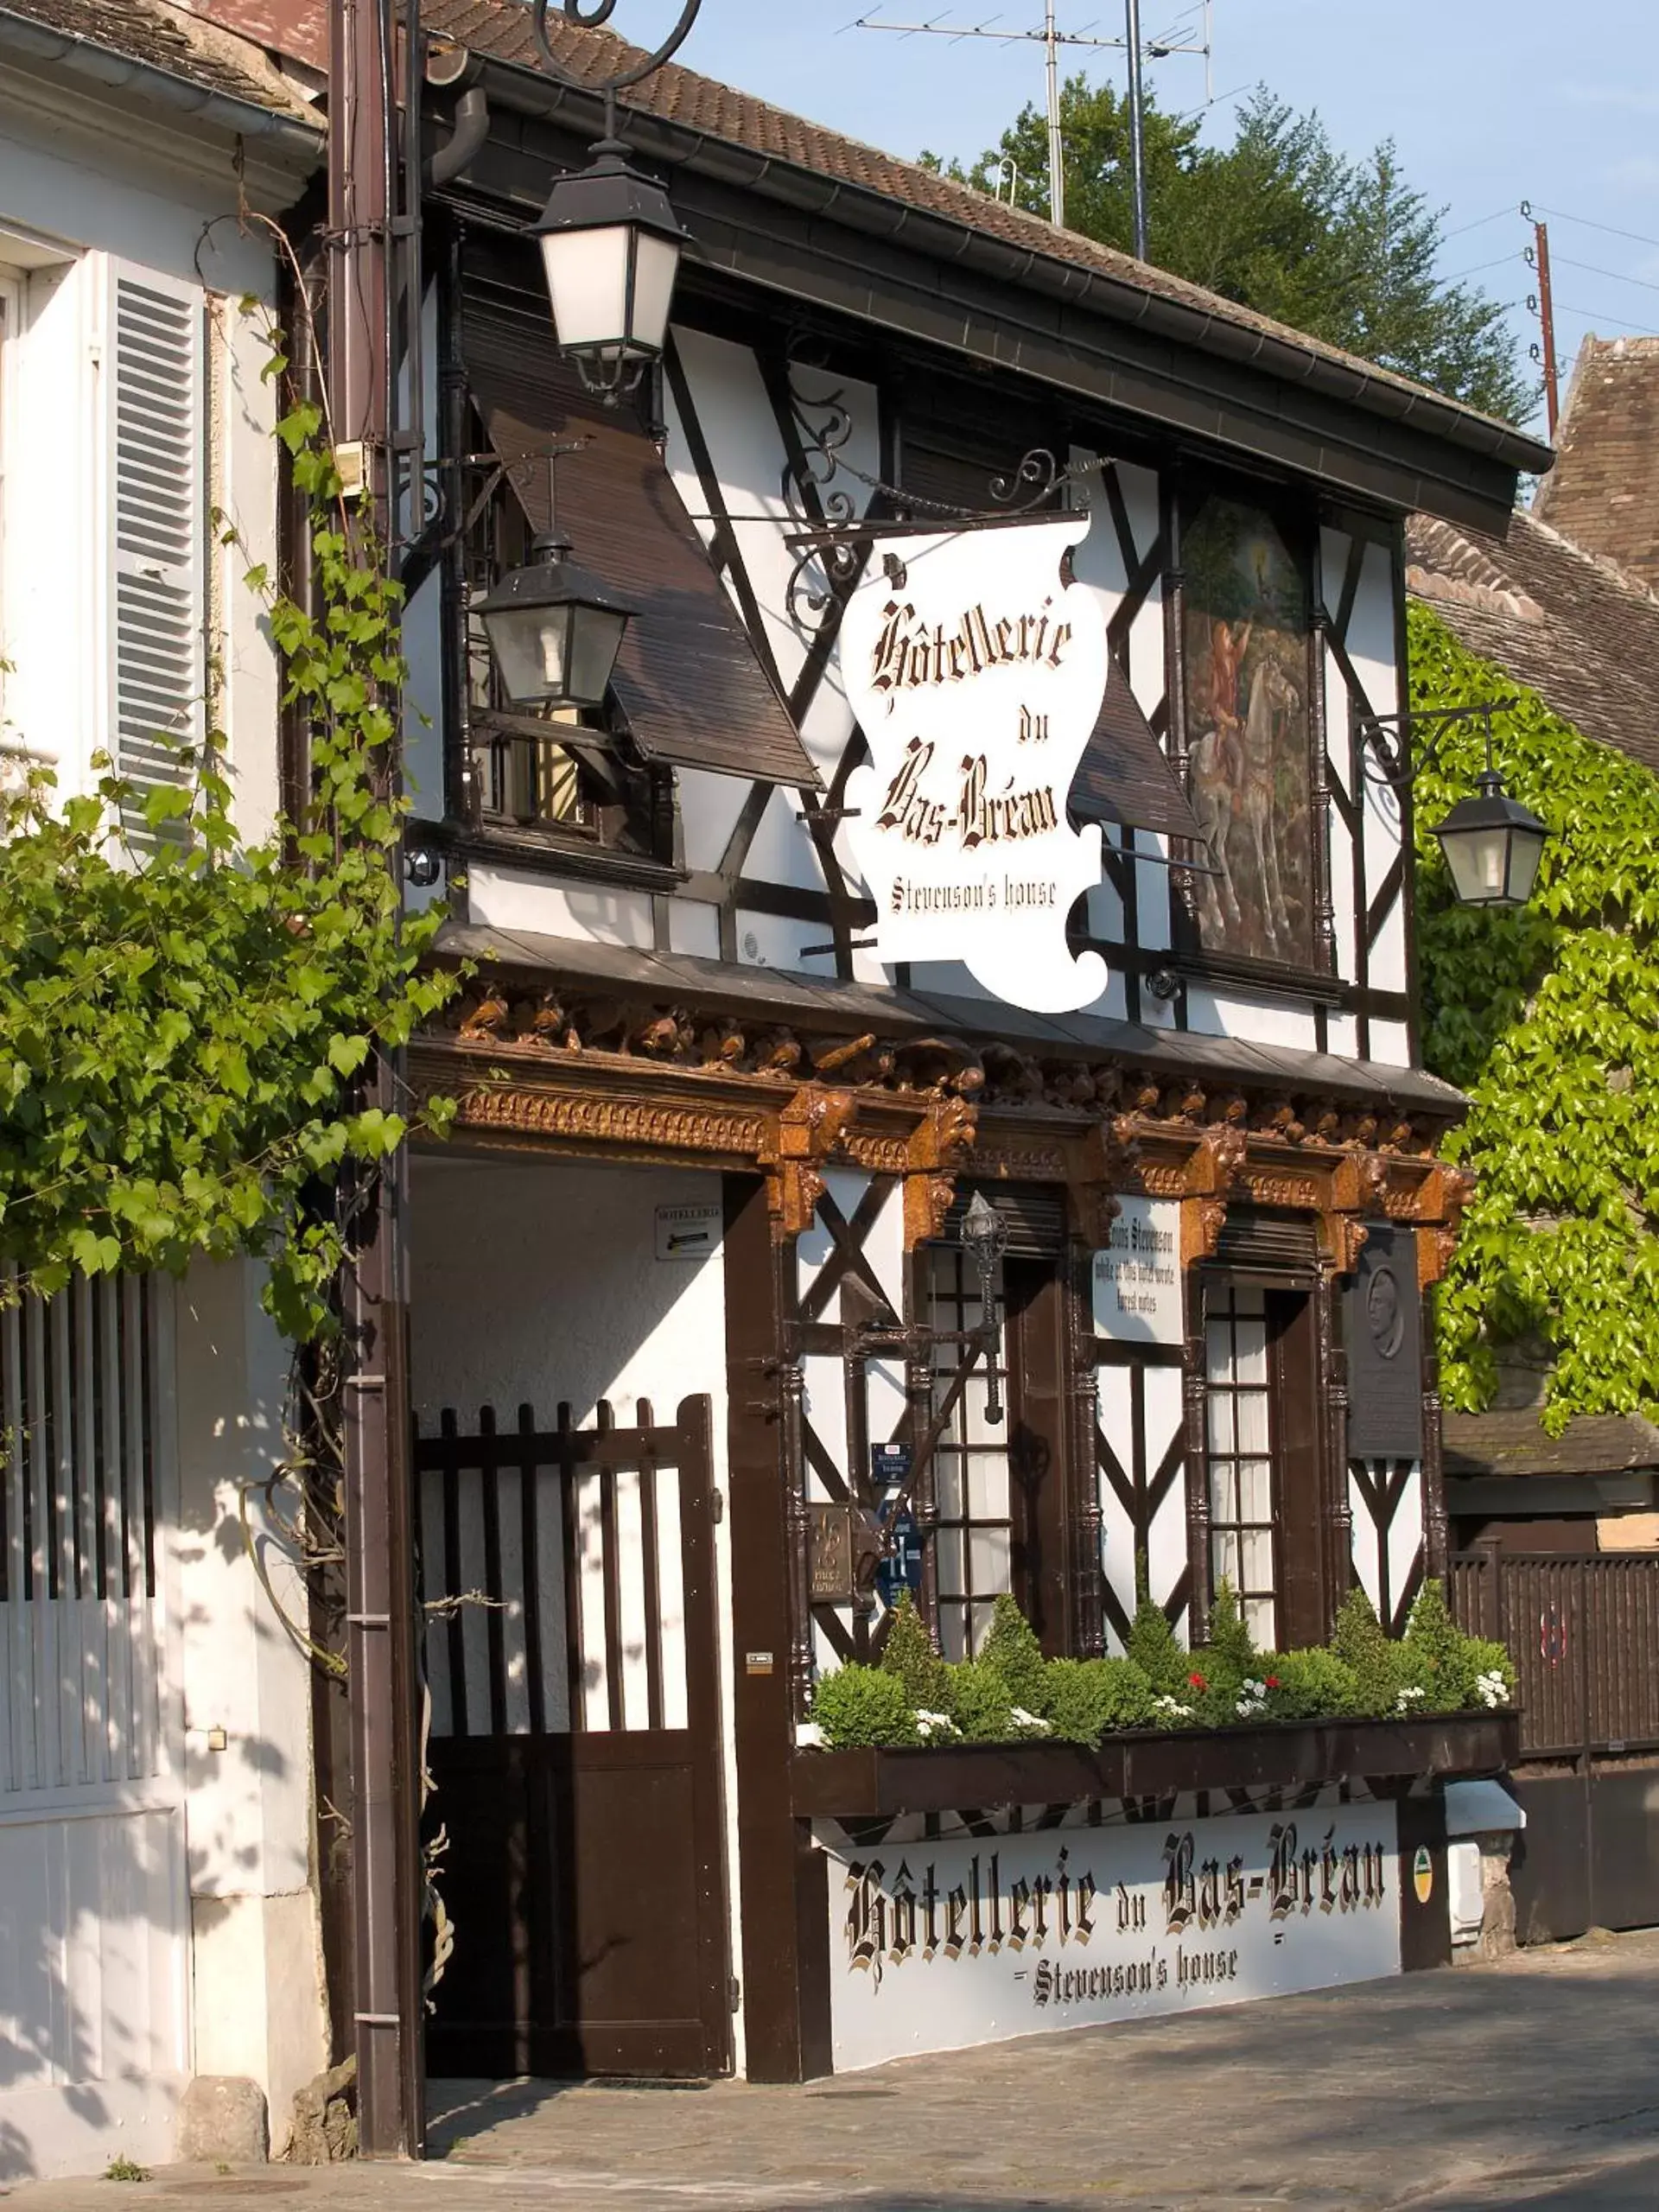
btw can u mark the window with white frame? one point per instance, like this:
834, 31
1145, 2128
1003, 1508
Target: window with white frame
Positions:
973, 1539
1242, 1541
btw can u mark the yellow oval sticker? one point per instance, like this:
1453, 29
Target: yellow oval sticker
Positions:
1422, 1874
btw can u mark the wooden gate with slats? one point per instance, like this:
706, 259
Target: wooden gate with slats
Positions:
575, 1745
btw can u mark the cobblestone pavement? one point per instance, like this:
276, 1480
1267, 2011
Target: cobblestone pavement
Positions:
1531, 2083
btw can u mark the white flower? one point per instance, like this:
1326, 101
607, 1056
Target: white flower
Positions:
1412, 1694
1491, 1689
935, 1723
1029, 1720
1173, 1708
809, 1737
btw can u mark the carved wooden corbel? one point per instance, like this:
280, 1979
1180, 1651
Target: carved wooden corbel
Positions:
1097, 1169
1358, 1179
1216, 1163
796, 1144
938, 1149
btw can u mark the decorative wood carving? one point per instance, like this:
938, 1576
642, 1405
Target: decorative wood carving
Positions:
939, 1147
801, 1140
592, 1118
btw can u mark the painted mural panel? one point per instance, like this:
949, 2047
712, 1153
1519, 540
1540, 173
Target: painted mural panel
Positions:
1246, 716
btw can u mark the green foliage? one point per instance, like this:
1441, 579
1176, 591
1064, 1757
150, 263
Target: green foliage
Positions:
1011, 1650
124, 2169
1085, 1699
863, 1705
1436, 1668
1311, 1685
1549, 1019
909, 1654
1280, 221
185, 1015
1153, 1646
979, 1701
1229, 1648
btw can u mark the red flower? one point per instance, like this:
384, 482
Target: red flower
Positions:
1197, 1681
1272, 1681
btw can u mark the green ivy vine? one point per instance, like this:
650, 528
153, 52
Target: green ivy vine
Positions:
1550, 1019
187, 1017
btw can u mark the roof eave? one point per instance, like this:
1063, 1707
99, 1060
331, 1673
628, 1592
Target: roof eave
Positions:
945, 238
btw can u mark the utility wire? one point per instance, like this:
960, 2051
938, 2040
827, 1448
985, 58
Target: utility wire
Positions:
1636, 238
1617, 275
1463, 274
1588, 314
1480, 224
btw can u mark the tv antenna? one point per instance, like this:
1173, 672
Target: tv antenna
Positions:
1052, 39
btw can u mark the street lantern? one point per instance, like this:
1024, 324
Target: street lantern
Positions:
1492, 846
610, 252
985, 1239
554, 630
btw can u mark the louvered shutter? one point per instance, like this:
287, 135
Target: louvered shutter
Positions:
158, 524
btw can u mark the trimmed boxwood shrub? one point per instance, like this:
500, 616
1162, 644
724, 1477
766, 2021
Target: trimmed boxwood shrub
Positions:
1010, 1693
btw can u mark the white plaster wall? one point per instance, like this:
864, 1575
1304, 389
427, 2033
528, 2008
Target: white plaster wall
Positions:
257, 1968
513, 901
1261, 1021
538, 1281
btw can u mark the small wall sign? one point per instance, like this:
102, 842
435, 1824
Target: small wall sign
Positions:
1382, 1332
1137, 1279
687, 1233
976, 673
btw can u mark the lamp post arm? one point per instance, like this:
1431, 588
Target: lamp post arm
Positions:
1385, 741
591, 17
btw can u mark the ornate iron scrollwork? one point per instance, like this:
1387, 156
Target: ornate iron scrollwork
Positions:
824, 573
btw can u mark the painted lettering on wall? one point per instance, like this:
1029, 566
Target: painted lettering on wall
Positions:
945, 1943
977, 675
1137, 1278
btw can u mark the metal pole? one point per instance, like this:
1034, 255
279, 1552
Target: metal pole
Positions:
1137, 146
1056, 147
1547, 317
385, 1896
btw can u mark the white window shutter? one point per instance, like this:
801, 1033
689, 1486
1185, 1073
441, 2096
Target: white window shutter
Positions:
158, 525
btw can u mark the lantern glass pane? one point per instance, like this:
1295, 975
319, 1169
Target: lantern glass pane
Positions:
531, 646
1526, 850
594, 649
1478, 860
587, 284
657, 261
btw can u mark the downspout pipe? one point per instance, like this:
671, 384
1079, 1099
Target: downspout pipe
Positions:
446, 67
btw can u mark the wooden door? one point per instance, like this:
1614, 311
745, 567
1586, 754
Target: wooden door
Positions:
575, 1747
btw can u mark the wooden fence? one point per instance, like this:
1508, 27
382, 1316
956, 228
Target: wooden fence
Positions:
1583, 1633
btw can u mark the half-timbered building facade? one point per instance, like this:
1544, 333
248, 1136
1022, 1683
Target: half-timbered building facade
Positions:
699, 1358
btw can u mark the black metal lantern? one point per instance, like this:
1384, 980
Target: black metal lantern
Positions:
1492, 846
554, 630
985, 1239
610, 252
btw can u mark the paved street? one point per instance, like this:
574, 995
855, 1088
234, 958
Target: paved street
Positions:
1533, 2083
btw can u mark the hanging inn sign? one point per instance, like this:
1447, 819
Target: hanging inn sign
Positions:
976, 671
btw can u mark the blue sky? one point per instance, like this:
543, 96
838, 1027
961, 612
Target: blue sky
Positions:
1490, 101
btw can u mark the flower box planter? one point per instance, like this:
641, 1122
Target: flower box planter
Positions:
867, 1785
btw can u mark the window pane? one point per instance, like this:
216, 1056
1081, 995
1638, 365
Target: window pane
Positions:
949, 1557
1224, 1558
947, 1483
987, 1486
1218, 1336
1221, 1421
989, 1560
953, 1638
1254, 1491
1258, 1559
1252, 1351
1249, 1298
1259, 1615
1223, 1490
982, 1620
1252, 1417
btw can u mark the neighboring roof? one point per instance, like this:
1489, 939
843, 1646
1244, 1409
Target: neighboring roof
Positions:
1514, 1443
1604, 489
150, 44
1574, 627
711, 111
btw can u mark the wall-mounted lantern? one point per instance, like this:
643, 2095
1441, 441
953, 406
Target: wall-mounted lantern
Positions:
609, 238
554, 630
985, 1239
1491, 843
